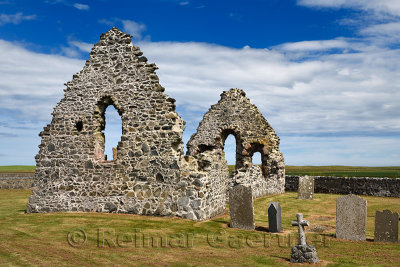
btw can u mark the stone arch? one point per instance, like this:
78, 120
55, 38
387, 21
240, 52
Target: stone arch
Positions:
256, 147
99, 121
222, 138
235, 114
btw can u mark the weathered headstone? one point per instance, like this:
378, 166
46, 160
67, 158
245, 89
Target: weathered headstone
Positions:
303, 252
306, 187
386, 226
351, 218
241, 207
274, 217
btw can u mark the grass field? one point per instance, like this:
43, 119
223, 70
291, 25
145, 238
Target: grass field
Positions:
17, 168
42, 239
340, 171
344, 171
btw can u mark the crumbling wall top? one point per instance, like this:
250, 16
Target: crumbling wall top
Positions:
233, 114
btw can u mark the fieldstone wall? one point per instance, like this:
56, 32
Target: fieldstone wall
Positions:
234, 114
149, 173
72, 172
16, 180
369, 186
252, 176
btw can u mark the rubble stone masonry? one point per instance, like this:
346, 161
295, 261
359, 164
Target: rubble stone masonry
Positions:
149, 173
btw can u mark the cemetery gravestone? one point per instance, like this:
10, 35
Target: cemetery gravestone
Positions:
241, 207
303, 252
386, 226
351, 218
306, 187
274, 217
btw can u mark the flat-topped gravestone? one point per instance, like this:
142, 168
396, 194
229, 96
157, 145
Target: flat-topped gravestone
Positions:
274, 217
306, 187
241, 207
386, 226
351, 218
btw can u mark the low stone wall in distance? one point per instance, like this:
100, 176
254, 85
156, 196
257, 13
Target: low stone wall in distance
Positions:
369, 186
16, 180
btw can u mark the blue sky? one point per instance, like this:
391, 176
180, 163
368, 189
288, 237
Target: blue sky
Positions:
324, 73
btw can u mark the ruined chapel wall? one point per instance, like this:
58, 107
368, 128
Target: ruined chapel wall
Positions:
234, 114
150, 174
71, 173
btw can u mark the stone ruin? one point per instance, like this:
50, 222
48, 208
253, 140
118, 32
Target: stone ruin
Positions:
149, 173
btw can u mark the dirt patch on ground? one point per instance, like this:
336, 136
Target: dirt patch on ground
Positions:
324, 218
321, 218
320, 228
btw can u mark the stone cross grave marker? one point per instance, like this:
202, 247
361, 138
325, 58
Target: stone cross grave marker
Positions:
351, 218
301, 223
241, 207
306, 187
274, 217
303, 252
386, 226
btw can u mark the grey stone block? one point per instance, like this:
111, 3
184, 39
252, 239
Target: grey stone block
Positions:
306, 187
241, 207
351, 218
386, 226
274, 217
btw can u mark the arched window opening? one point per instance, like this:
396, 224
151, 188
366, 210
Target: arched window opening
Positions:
106, 138
229, 145
230, 149
112, 132
256, 159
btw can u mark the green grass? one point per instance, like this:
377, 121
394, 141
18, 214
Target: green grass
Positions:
17, 168
41, 239
340, 171
344, 171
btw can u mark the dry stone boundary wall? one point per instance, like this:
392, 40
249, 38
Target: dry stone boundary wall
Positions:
369, 186
16, 180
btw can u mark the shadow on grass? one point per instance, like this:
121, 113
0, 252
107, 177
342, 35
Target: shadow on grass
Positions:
262, 229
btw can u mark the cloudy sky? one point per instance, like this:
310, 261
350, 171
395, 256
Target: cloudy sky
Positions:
324, 73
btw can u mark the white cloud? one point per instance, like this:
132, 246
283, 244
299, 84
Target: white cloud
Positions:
81, 6
349, 151
319, 45
383, 34
31, 83
185, 3
391, 7
378, 22
134, 28
348, 93
16, 18
76, 49
82, 46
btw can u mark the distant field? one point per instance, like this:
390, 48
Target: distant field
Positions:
340, 171
344, 171
17, 168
